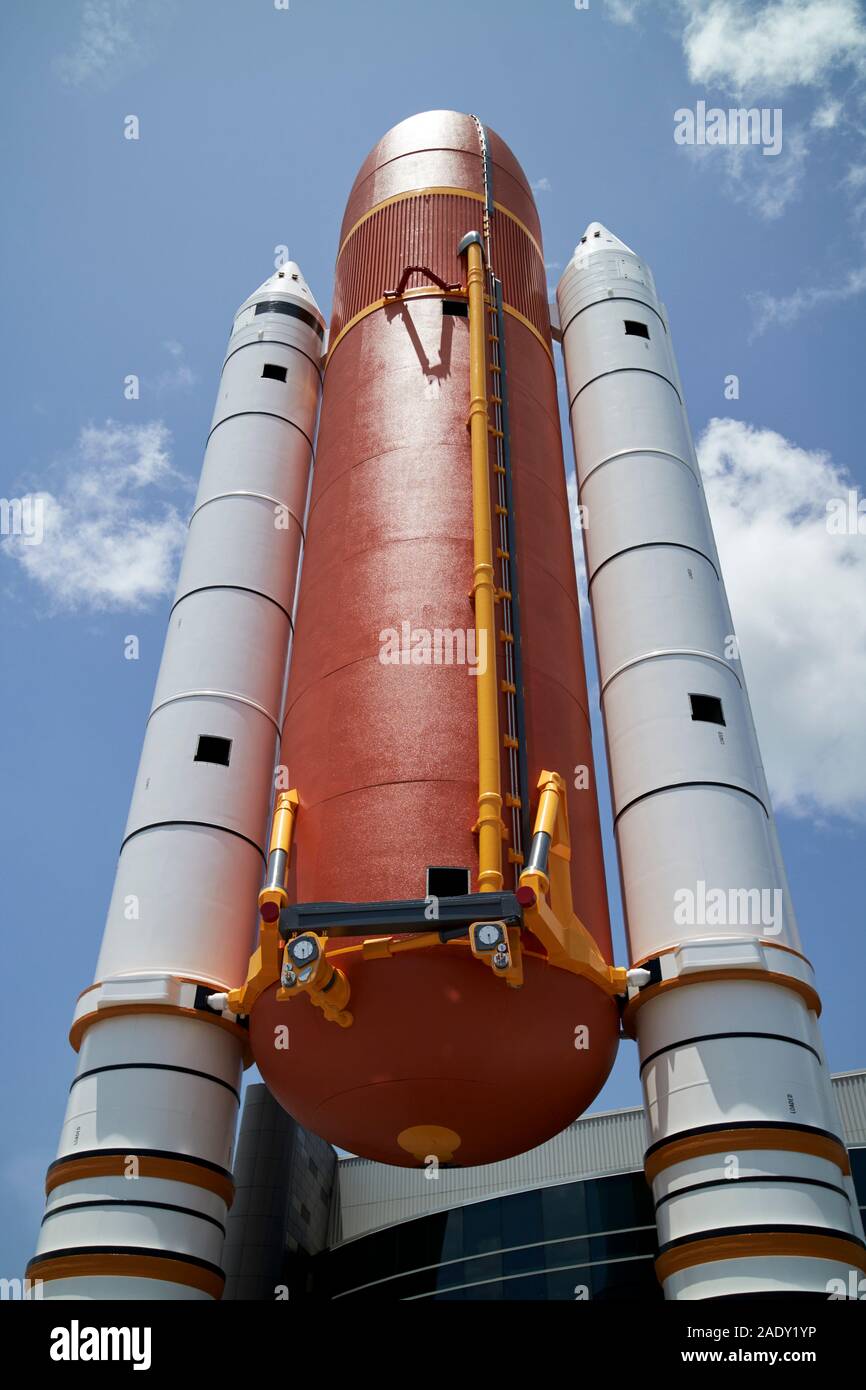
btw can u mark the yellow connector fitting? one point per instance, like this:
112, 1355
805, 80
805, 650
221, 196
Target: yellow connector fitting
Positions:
306, 970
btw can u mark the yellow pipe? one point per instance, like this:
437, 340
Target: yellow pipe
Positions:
380, 947
483, 584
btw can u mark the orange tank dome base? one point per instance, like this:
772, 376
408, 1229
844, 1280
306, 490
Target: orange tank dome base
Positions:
439, 1045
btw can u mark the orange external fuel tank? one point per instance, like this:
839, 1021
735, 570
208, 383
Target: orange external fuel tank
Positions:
381, 726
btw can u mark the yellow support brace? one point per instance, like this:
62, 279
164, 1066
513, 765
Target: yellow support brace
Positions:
266, 961
551, 914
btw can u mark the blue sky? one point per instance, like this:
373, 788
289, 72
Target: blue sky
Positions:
128, 257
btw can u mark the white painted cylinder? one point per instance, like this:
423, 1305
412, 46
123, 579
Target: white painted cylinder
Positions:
743, 1136
141, 1187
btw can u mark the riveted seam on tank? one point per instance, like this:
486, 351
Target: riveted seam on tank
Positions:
230, 695
372, 458
155, 1066
252, 496
267, 414
794, 1179
366, 656
276, 342
236, 588
131, 1202
678, 786
613, 299
647, 545
723, 1037
618, 371
390, 782
661, 654
204, 824
631, 453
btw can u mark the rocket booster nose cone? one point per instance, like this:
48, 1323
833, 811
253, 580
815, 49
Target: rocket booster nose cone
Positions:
290, 279
597, 237
600, 262
287, 282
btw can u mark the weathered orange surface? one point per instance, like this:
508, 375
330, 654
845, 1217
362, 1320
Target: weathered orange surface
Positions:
384, 757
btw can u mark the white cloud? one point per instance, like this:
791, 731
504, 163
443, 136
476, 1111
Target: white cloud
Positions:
796, 594
112, 35
178, 377
757, 52
826, 117
622, 11
773, 311
111, 538
766, 184
542, 186
768, 49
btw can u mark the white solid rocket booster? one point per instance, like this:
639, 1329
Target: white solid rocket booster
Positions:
749, 1173
138, 1195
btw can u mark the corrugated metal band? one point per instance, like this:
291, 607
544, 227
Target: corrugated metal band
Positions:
423, 192
425, 227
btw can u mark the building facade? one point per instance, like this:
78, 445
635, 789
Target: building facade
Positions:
570, 1220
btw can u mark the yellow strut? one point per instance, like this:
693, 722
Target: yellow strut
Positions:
266, 960
550, 915
489, 824
282, 835
381, 947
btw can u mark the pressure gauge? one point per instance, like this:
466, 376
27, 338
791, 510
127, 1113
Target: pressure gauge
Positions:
488, 935
303, 950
